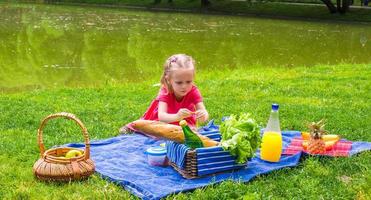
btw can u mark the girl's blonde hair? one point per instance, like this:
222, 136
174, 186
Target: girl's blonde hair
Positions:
175, 62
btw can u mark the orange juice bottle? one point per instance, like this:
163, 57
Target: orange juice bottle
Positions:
271, 147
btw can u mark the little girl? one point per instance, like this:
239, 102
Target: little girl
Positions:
178, 97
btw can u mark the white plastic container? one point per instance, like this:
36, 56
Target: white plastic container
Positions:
156, 156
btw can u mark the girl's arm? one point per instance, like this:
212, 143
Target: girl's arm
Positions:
168, 118
201, 112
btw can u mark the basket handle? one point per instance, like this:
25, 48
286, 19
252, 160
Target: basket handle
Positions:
68, 116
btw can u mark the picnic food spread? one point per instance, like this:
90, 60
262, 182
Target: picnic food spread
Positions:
316, 142
240, 136
74, 153
327, 137
167, 131
156, 156
191, 138
272, 139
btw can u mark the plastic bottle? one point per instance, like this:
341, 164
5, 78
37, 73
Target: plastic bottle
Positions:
271, 148
191, 139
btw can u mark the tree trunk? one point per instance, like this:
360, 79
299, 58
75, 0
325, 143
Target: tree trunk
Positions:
346, 4
331, 7
342, 6
205, 3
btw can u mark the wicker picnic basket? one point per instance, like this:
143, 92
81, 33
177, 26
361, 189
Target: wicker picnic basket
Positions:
53, 166
190, 170
201, 162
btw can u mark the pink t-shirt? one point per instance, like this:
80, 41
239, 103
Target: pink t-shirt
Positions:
189, 101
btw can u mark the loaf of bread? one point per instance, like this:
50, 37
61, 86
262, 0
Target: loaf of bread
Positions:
167, 131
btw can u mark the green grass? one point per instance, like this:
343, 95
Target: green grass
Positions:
255, 8
338, 93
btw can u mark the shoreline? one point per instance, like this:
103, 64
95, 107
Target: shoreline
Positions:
213, 11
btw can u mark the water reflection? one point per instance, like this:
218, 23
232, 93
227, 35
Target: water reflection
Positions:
45, 46
363, 39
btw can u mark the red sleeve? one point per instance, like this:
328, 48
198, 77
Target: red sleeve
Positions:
163, 96
196, 95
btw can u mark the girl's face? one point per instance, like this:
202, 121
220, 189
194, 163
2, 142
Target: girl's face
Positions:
181, 80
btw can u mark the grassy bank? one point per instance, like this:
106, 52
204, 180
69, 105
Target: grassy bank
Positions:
338, 93
273, 9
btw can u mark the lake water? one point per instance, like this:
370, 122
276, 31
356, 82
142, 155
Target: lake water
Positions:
44, 46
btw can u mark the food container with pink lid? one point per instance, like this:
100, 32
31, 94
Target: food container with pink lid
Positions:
156, 156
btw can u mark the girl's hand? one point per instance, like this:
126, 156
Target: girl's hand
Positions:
184, 113
201, 115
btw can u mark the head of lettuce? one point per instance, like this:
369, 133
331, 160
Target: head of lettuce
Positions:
240, 136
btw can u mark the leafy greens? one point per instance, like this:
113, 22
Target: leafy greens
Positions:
240, 136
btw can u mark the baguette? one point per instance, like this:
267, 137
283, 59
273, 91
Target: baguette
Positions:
167, 131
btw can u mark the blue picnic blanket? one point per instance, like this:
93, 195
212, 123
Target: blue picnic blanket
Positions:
122, 160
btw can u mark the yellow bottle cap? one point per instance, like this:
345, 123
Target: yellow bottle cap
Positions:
183, 123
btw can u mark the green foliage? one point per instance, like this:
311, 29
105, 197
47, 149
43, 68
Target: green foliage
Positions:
273, 8
240, 136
